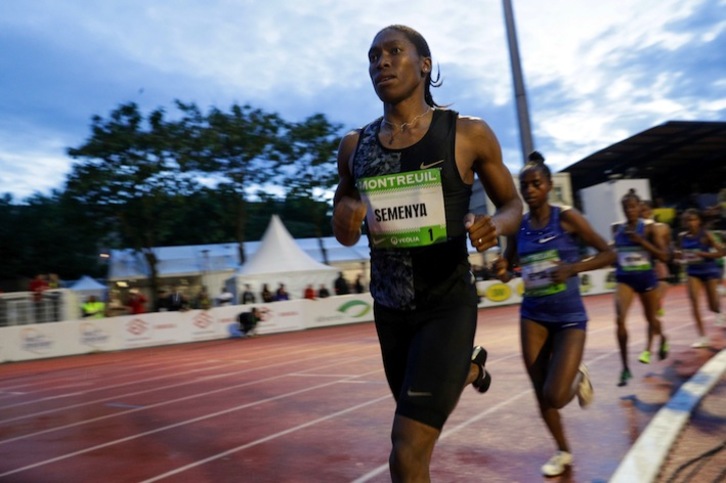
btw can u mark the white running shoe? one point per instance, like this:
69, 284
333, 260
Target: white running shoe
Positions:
720, 320
556, 465
701, 343
585, 391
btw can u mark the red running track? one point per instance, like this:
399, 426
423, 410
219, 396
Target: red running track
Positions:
313, 406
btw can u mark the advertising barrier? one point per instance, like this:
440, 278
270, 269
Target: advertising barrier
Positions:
494, 293
37, 341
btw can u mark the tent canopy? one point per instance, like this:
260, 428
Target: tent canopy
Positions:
278, 253
279, 260
87, 284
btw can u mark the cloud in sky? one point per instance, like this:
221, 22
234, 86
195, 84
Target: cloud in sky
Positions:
595, 72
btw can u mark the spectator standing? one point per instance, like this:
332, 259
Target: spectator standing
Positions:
359, 287
225, 297
341, 285
177, 301
162, 300
136, 302
37, 287
53, 281
323, 291
54, 295
94, 308
203, 301
281, 293
266, 294
247, 297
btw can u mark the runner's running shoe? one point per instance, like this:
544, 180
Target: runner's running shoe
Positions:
484, 380
556, 465
664, 348
644, 357
585, 392
701, 343
624, 376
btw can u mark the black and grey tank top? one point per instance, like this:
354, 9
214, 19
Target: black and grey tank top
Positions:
416, 207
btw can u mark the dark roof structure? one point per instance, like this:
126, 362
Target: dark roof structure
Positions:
677, 157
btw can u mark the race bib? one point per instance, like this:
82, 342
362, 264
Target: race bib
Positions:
691, 256
634, 259
536, 269
405, 210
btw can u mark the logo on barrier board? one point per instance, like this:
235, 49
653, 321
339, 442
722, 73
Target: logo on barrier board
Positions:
203, 320
585, 283
137, 326
610, 280
92, 336
499, 292
355, 308
33, 340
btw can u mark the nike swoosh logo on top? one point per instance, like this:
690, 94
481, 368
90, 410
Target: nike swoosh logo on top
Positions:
378, 241
431, 165
546, 239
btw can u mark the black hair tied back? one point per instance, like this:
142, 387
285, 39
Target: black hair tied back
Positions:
535, 160
536, 157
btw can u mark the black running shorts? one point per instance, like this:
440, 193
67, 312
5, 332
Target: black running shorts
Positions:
427, 356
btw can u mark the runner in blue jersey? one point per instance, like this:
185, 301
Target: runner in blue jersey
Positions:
637, 242
662, 272
409, 175
549, 250
698, 250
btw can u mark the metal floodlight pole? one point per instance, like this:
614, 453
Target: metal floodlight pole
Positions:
525, 130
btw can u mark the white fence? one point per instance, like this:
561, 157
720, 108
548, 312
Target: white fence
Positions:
19, 342
20, 308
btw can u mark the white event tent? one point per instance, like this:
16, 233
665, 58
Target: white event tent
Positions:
87, 286
279, 260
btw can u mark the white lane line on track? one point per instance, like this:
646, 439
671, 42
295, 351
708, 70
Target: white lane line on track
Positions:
194, 420
129, 368
265, 439
151, 379
163, 403
448, 432
145, 391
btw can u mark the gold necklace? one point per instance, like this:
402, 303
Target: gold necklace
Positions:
403, 126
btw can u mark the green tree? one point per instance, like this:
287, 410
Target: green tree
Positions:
45, 234
129, 180
310, 171
239, 147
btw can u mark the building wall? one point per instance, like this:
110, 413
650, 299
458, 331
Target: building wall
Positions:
601, 203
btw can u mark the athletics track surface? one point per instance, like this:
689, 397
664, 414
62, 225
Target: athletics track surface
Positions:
313, 406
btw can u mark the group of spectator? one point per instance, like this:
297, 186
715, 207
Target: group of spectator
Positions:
341, 286
247, 296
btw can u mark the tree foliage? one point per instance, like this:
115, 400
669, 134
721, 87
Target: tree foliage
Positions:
141, 181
